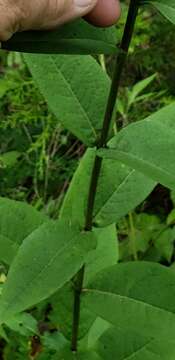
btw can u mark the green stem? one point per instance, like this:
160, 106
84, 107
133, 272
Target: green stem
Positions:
119, 66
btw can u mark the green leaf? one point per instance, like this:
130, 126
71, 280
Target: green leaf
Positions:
24, 324
166, 8
75, 202
136, 296
126, 345
105, 255
148, 146
164, 243
15, 216
78, 37
61, 80
138, 88
46, 260
119, 191
8, 249
9, 159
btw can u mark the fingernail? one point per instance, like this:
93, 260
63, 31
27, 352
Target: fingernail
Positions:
82, 5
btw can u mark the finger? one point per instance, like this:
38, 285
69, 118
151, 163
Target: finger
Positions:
20, 15
105, 13
50, 14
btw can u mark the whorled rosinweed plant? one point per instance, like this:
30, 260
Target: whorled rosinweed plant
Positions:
105, 310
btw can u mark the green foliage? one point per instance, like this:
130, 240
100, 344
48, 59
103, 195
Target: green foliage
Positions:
166, 9
75, 38
148, 146
60, 296
58, 81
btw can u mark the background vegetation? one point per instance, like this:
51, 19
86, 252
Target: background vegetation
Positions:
38, 158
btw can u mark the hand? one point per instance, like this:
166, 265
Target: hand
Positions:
20, 15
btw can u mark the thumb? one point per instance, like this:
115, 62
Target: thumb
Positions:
46, 14
76, 8
20, 15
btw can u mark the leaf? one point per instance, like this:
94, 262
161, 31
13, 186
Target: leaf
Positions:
138, 88
164, 243
15, 215
9, 159
148, 146
46, 260
166, 8
127, 345
105, 255
24, 324
75, 202
136, 296
119, 191
69, 85
78, 37
8, 249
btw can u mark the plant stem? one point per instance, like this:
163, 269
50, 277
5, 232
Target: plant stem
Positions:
132, 236
119, 66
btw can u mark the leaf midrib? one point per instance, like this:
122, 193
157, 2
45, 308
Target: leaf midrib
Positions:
75, 97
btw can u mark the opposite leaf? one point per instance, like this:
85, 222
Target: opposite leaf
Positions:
69, 85
119, 191
136, 296
46, 260
148, 146
78, 37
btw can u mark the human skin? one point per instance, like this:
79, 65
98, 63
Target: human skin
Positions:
21, 15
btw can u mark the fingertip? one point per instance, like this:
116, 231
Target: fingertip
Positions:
105, 13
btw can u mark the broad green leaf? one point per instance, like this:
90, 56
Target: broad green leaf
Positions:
69, 85
17, 221
120, 190
148, 146
46, 260
78, 37
8, 249
105, 255
136, 296
165, 7
127, 345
